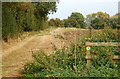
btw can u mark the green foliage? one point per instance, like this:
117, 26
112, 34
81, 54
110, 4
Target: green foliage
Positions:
71, 22
41, 12
45, 8
62, 62
21, 17
108, 35
114, 21
103, 71
75, 20
59, 64
51, 22
67, 23
25, 16
9, 25
57, 22
79, 18
98, 20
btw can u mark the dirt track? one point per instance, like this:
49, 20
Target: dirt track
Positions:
14, 57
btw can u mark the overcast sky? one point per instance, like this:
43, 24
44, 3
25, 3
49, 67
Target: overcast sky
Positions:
66, 7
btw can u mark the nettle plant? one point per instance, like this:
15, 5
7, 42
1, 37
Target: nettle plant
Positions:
72, 63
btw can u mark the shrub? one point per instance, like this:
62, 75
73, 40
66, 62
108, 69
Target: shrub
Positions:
9, 25
56, 22
63, 63
22, 17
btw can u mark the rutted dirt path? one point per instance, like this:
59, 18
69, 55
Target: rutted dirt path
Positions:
20, 55
16, 56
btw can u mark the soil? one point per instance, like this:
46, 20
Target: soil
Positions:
16, 55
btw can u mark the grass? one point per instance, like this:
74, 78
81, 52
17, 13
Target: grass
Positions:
64, 63
39, 33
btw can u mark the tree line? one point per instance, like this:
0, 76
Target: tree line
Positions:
31, 16
97, 20
74, 20
19, 17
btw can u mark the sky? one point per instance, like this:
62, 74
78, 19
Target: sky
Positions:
66, 7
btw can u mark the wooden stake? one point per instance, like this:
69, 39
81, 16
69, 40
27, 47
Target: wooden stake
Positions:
88, 60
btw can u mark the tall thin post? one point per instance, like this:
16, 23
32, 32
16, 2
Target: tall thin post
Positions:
88, 60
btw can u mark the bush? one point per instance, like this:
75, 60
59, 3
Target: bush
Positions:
56, 22
63, 63
22, 17
71, 22
9, 25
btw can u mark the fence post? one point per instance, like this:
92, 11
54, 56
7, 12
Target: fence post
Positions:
88, 59
88, 56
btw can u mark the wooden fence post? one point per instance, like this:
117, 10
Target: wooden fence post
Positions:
88, 59
88, 56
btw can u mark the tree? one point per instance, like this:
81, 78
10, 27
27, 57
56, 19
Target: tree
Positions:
42, 10
71, 22
79, 18
51, 22
25, 16
114, 21
9, 25
98, 20
57, 22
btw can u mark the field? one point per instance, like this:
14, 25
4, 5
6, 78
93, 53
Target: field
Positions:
17, 53
35, 44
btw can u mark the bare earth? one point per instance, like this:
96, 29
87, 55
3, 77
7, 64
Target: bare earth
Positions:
15, 56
